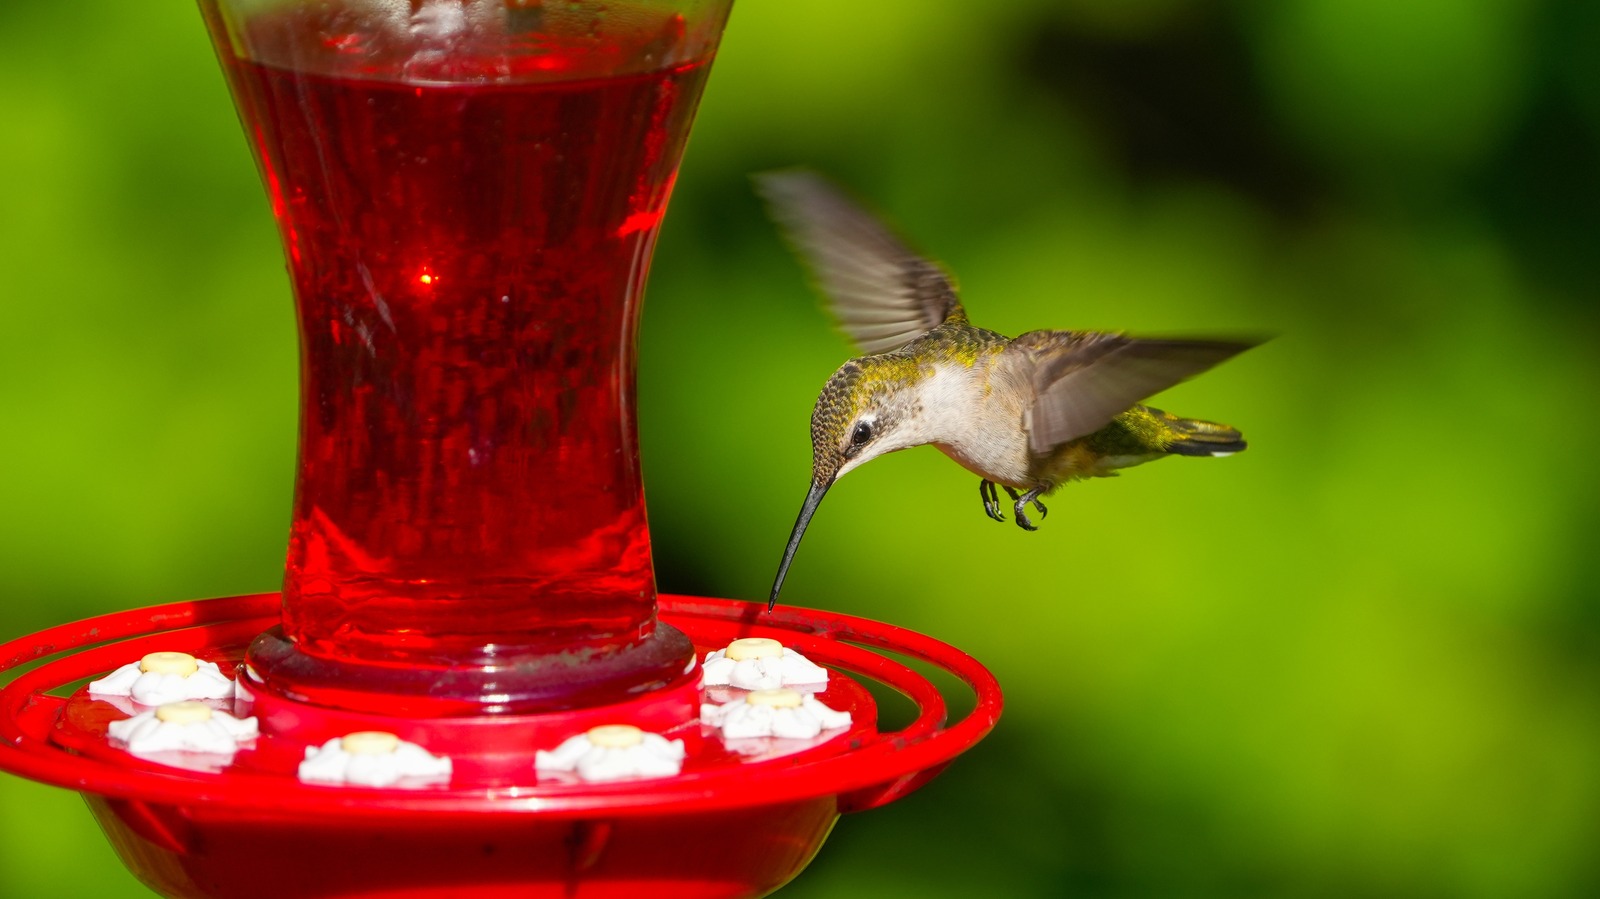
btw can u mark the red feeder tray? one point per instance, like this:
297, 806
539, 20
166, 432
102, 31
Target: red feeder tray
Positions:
728, 825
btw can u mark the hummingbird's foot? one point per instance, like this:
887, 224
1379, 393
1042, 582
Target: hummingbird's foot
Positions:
1034, 494
991, 499
1020, 506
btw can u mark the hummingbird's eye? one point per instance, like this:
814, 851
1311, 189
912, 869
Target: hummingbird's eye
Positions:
861, 434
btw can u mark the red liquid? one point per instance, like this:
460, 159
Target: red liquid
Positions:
467, 260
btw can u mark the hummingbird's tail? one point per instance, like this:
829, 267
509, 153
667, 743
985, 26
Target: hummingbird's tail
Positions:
1192, 437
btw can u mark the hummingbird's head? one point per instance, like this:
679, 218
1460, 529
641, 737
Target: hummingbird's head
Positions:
859, 415
864, 411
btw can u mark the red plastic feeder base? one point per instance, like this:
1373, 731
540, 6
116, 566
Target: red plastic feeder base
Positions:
741, 819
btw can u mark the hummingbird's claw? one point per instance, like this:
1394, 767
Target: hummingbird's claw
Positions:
991, 499
1020, 507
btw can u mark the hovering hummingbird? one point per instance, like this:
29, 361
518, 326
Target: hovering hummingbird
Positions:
1025, 414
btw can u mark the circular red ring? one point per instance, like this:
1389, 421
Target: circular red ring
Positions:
870, 773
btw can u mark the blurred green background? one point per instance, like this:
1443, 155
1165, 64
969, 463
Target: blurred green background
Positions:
1358, 660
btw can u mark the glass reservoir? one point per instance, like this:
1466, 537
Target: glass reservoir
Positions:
468, 193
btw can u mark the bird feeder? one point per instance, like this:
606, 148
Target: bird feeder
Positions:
469, 685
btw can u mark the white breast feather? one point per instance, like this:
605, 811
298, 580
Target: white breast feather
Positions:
981, 433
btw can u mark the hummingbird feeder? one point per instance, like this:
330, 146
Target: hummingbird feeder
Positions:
469, 685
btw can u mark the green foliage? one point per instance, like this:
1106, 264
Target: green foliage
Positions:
1357, 659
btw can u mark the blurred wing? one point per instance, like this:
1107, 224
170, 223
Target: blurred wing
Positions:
882, 294
1084, 379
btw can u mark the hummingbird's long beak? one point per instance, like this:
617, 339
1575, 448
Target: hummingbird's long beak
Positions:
813, 500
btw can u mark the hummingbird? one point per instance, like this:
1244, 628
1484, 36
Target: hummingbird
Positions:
1025, 414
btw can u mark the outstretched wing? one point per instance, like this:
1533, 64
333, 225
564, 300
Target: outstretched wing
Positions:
882, 294
1084, 379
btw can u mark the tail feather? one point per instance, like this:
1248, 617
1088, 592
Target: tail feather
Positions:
1192, 437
